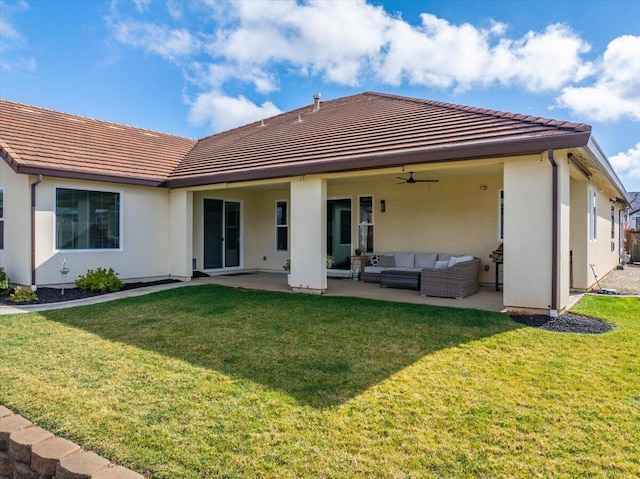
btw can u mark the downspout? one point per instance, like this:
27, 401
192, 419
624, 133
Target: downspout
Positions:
554, 238
33, 231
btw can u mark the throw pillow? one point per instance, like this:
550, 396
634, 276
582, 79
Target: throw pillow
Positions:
460, 259
442, 264
373, 260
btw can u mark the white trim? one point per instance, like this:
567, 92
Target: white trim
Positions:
592, 206
501, 215
88, 250
286, 225
373, 220
241, 234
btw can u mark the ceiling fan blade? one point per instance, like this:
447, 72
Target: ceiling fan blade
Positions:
401, 178
426, 181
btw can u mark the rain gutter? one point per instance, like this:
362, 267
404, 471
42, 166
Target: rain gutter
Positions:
33, 230
553, 312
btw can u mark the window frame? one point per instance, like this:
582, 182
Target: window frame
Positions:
284, 226
120, 194
370, 224
593, 214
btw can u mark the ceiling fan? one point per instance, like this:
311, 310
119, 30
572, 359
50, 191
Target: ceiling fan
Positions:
411, 180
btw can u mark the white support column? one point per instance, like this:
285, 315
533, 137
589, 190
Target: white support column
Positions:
528, 244
309, 235
564, 230
181, 233
527, 234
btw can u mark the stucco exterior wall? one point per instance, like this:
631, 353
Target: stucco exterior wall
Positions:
603, 251
145, 234
454, 216
579, 235
15, 258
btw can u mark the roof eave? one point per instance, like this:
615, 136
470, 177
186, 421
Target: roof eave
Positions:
596, 153
83, 175
382, 160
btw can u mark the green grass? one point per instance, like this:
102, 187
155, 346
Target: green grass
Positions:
207, 381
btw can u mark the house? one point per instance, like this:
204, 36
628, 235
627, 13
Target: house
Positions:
633, 213
151, 205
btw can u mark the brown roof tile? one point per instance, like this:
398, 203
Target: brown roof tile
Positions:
369, 130
41, 141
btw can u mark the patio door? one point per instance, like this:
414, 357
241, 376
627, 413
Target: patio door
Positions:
339, 232
221, 234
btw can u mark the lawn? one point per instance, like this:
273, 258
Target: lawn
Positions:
208, 381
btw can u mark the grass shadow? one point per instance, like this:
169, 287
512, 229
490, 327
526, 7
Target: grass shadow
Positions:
322, 351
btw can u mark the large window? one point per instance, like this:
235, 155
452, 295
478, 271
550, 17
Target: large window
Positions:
282, 226
87, 219
365, 224
1, 219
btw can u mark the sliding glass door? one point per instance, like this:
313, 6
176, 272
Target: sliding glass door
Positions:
221, 234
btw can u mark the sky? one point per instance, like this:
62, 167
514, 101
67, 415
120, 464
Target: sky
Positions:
197, 67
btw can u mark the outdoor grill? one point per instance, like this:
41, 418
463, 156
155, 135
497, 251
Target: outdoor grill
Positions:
496, 256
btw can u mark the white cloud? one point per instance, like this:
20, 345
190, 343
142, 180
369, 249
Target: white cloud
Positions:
616, 91
13, 44
250, 44
223, 112
627, 163
172, 44
334, 39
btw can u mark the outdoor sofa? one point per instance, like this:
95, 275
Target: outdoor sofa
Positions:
441, 274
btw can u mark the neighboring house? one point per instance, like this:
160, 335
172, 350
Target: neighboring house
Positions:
633, 213
154, 205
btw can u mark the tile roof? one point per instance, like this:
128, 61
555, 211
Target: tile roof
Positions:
368, 130
40, 141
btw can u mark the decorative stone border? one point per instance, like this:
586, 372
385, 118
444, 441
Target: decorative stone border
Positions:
29, 452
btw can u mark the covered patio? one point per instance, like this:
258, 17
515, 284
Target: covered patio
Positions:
487, 298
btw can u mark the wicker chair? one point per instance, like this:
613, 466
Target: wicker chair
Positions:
458, 281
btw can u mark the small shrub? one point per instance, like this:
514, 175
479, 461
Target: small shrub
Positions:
100, 281
4, 282
20, 295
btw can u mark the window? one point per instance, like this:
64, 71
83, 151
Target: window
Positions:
87, 219
501, 216
1, 219
282, 226
365, 224
593, 211
613, 228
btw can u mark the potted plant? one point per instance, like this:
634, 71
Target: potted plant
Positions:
287, 267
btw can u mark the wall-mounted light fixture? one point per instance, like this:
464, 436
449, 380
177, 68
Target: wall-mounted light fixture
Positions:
383, 206
483, 187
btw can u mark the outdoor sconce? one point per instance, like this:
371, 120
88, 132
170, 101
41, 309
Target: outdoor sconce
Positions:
383, 206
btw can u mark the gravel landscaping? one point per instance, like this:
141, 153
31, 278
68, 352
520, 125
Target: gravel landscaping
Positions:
565, 323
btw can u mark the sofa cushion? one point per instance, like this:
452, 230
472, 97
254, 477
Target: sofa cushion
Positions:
443, 257
442, 264
385, 261
403, 260
373, 269
460, 259
426, 260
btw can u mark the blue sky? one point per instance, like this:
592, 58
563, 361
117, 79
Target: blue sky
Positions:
196, 67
